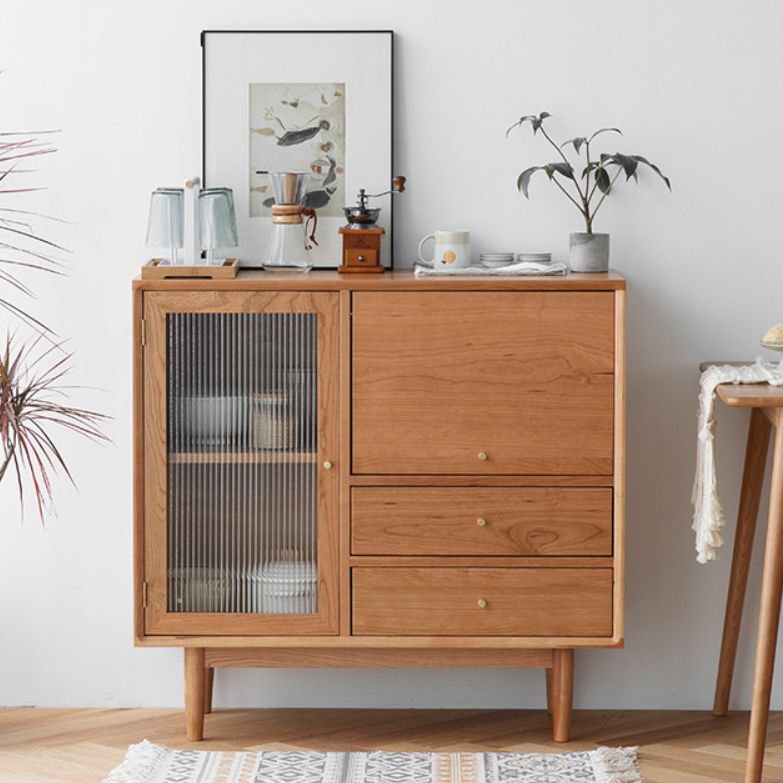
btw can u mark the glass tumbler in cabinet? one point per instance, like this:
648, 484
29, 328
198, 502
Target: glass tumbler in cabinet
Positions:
240, 418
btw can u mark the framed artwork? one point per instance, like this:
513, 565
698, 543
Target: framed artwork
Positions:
315, 101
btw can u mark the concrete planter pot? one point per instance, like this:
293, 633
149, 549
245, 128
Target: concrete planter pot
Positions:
588, 252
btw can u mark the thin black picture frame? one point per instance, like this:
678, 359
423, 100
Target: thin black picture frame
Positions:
388, 32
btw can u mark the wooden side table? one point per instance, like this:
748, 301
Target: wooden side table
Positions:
766, 404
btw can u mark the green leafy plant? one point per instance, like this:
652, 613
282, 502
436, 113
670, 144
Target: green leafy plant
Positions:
588, 189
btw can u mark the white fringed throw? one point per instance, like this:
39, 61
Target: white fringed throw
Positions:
518, 269
708, 516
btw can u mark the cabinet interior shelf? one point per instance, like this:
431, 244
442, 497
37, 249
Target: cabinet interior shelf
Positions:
246, 457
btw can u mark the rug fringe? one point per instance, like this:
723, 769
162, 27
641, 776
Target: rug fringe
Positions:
616, 765
139, 764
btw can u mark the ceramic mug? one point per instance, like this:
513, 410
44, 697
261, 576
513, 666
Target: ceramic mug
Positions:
452, 250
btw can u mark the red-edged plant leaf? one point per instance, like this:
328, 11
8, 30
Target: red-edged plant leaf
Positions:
33, 409
21, 190
34, 237
33, 214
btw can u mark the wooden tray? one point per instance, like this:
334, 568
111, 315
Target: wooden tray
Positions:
155, 270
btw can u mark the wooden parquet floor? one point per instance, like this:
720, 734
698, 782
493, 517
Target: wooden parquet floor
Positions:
82, 745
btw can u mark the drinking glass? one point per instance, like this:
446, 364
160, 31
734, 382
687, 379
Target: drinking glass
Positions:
217, 220
165, 223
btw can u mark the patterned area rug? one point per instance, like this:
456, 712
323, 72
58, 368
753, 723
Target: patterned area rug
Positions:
148, 763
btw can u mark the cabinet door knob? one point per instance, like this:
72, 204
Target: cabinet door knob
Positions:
362, 258
327, 465
481, 521
482, 455
481, 603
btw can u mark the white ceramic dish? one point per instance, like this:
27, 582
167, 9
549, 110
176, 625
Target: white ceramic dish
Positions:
286, 587
495, 260
213, 420
198, 589
489, 264
541, 258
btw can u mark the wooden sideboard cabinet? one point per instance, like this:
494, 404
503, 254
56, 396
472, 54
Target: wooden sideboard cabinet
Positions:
379, 471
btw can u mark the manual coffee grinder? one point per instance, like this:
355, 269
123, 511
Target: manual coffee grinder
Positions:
362, 237
293, 225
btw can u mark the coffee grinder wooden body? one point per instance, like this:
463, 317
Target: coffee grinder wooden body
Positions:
361, 250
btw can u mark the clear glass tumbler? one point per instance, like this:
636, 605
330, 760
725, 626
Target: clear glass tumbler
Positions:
165, 223
217, 221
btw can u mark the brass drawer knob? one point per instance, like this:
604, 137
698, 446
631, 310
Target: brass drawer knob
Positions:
481, 603
327, 465
481, 522
482, 455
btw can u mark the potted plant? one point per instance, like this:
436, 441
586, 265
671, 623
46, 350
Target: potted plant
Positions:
587, 190
33, 394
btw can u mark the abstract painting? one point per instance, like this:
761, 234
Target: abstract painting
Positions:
298, 127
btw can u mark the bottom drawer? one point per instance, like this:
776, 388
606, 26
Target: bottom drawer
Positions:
482, 601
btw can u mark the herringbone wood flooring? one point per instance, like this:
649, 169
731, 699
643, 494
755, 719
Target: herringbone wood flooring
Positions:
81, 746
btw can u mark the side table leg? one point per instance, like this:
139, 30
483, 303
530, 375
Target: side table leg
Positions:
769, 617
747, 514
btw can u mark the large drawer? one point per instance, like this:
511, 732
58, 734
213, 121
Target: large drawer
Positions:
481, 521
398, 601
487, 383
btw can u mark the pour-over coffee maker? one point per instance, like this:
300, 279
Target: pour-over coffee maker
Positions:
288, 248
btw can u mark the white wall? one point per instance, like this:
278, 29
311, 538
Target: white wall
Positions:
694, 85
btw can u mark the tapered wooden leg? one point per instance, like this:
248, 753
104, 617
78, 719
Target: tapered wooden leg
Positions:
562, 694
752, 481
769, 617
195, 680
548, 673
209, 679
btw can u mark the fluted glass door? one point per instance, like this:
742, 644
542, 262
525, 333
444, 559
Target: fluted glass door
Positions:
246, 442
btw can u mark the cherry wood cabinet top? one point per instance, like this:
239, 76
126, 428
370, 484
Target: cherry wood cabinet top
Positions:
327, 280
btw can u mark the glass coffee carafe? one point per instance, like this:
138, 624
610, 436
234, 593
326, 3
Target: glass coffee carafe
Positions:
289, 244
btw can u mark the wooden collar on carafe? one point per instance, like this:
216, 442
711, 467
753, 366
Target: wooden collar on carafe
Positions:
287, 213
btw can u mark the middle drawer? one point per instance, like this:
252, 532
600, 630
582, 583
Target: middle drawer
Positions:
552, 521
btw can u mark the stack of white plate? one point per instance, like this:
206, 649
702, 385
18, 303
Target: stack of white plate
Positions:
493, 260
212, 420
286, 587
538, 258
197, 589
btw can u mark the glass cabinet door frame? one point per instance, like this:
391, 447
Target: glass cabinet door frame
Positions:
157, 305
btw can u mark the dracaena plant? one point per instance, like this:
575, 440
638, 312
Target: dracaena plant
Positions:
33, 408
33, 395
22, 248
586, 184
